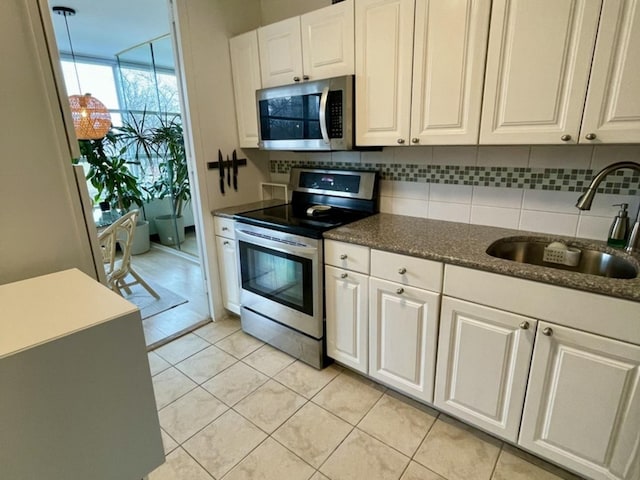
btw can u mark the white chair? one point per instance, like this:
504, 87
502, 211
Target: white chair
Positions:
118, 268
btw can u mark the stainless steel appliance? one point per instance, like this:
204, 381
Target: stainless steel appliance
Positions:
307, 116
280, 257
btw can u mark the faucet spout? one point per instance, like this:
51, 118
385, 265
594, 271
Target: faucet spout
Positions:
586, 199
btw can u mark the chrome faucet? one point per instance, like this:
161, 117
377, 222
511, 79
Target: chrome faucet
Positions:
585, 200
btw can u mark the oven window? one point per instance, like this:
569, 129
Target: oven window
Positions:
280, 277
291, 118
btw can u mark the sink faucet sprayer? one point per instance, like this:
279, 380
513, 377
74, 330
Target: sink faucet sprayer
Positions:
585, 200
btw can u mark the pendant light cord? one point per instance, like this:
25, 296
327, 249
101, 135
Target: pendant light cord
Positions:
73, 55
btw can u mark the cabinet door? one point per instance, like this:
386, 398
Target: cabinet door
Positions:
384, 52
538, 65
583, 403
280, 52
347, 317
245, 68
328, 41
403, 336
228, 268
483, 364
450, 45
612, 111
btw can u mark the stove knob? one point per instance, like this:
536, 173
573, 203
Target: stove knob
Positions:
343, 256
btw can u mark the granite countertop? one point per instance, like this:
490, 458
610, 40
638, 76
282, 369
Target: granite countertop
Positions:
229, 212
465, 245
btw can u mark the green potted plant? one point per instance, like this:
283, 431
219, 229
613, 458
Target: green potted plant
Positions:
116, 186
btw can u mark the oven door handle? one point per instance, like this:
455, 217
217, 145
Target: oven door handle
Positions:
323, 114
285, 247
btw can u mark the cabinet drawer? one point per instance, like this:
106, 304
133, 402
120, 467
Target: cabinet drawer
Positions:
416, 272
225, 227
346, 255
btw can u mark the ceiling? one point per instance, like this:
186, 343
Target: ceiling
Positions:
106, 28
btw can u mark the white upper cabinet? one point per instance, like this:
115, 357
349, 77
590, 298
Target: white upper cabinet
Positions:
423, 87
280, 52
314, 46
612, 111
538, 64
245, 69
583, 403
328, 41
384, 53
450, 44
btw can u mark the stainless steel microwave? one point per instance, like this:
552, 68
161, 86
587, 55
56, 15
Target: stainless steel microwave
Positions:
314, 115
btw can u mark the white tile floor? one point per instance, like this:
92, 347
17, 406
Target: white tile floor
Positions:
232, 408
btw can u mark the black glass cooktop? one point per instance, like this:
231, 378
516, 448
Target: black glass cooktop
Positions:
288, 218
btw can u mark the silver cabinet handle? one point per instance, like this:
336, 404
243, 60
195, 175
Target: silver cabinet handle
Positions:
226, 242
524, 325
400, 291
296, 79
590, 136
225, 229
343, 256
305, 77
547, 331
402, 271
415, 140
401, 141
565, 138
344, 275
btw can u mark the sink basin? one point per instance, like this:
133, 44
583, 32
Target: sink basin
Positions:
593, 262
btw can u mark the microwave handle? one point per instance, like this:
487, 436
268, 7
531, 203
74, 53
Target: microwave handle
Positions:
323, 114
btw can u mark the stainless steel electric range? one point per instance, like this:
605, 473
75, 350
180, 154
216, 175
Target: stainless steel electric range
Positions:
280, 257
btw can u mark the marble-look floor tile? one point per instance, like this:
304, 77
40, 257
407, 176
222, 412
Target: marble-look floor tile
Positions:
268, 360
239, 344
319, 476
270, 405
170, 385
235, 383
157, 364
306, 380
190, 413
397, 424
179, 466
222, 444
182, 348
457, 451
312, 433
270, 461
349, 397
517, 465
168, 443
206, 364
415, 471
216, 331
362, 457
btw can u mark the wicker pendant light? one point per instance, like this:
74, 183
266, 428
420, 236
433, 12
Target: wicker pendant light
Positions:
91, 119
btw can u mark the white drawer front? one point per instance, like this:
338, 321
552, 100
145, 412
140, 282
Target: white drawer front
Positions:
225, 227
412, 271
346, 255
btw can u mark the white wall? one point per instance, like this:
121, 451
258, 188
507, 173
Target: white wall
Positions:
551, 212
276, 10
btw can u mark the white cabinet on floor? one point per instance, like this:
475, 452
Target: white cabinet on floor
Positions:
228, 264
403, 322
310, 47
483, 365
538, 63
347, 313
612, 111
245, 69
583, 403
422, 88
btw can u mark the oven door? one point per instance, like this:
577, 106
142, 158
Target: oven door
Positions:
281, 277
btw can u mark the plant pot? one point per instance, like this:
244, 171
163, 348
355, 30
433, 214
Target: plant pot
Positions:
141, 243
167, 230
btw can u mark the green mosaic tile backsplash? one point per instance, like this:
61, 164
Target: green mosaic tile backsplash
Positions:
556, 179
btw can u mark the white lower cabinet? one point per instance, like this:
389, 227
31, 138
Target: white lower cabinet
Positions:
583, 403
483, 364
227, 264
403, 332
347, 309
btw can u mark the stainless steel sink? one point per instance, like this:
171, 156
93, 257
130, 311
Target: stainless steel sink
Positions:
593, 262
